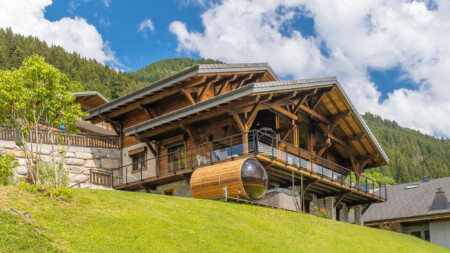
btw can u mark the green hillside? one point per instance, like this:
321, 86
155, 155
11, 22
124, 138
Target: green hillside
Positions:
412, 154
118, 221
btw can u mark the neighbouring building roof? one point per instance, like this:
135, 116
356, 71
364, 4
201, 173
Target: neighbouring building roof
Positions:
411, 200
89, 99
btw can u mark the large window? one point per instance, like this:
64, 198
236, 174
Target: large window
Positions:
176, 157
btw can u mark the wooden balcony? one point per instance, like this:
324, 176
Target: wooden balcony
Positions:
284, 163
64, 138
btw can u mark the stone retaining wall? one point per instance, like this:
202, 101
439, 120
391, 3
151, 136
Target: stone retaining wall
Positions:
79, 160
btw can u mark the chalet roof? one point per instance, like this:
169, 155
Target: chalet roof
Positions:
409, 200
89, 99
161, 84
253, 89
249, 89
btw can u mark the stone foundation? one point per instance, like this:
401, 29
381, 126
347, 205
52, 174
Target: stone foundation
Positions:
180, 188
79, 160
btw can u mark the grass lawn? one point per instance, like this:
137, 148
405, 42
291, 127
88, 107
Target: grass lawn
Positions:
117, 221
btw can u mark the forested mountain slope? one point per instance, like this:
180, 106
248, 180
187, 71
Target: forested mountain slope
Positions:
164, 68
412, 154
92, 75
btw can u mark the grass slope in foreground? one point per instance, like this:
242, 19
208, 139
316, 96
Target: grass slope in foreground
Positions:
117, 221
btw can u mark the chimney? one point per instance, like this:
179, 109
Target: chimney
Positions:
440, 201
425, 179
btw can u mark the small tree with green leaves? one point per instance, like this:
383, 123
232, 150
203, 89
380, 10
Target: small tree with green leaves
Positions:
34, 101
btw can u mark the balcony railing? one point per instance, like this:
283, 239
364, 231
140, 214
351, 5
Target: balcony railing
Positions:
64, 138
251, 143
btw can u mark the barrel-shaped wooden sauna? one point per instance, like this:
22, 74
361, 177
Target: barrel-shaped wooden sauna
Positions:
244, 178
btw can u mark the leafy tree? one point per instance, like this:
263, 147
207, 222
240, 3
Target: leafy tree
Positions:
35, 100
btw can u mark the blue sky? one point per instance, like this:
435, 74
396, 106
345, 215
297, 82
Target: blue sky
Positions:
118, 23
391, 57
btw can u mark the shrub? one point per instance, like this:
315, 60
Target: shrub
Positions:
7, 164
62, 193
322, 212
47, 171
30, 187
386, 226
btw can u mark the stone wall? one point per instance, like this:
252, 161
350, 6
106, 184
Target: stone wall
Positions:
181, 189
80, 160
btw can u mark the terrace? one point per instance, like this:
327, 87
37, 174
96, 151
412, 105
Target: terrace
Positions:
285, 164
64, 138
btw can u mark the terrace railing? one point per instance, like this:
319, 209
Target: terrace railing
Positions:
254, 142
64, 138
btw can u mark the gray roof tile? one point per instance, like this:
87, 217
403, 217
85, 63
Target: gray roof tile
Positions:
403, 202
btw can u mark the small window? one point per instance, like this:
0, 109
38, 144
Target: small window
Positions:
169, 192
427, 235
417, 234
138, 161
138, 157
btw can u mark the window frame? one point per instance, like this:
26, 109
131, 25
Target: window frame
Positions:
134, 163
180, 163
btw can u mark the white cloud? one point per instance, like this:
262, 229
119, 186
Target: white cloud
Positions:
107, 3
144, 25
357, 35
73, 34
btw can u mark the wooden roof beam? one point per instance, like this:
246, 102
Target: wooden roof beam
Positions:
224, 82
284, 96
198, 117
280, 110
320, 95
341, 197
314, 114
240, 81
239, 122
206, 85
251, 117
188, 96
336, 118
305, 96
355, 138
153, 98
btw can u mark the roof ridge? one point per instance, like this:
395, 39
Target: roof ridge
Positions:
296, 81
233, 65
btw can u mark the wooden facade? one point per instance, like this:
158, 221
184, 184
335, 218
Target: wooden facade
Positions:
216, 113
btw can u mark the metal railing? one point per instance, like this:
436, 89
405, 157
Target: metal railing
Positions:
254, 142
64, 138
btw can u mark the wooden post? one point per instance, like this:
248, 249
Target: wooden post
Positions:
311, 138
302, 195
245, 142
295, 134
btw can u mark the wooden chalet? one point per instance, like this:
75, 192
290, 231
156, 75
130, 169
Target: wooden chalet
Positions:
306, 134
